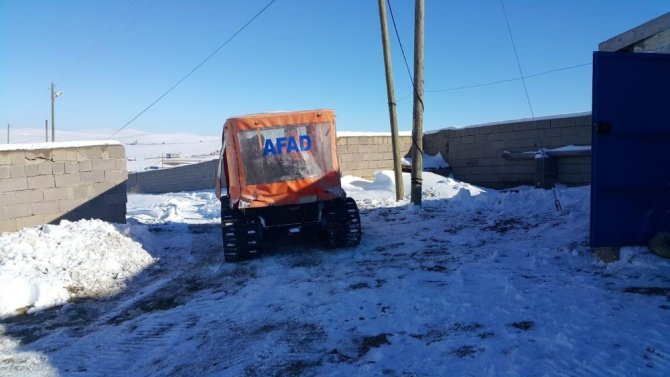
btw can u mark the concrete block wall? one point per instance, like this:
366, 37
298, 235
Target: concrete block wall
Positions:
475, 153
198, 176
363, 155
357, 155
48, 182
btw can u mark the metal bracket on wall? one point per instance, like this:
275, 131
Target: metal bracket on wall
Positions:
602, 127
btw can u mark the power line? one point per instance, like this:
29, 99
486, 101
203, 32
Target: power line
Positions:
194, 69
395, 27
557, 202
107, 39
518, 62
81, 62
411, 79
508, 80
492, 83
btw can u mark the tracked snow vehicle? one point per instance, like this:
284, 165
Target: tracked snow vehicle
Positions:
281, 175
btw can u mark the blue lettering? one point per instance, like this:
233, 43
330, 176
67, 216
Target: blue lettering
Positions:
292, 146
305, 143
280, 143
269, 148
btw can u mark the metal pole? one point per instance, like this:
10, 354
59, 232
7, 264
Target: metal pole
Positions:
397, 168
7, 133
46, 130
417, 126
53, 123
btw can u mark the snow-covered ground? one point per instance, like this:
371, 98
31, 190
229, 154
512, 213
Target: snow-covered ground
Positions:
473, 283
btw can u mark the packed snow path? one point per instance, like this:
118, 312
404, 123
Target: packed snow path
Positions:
473, 283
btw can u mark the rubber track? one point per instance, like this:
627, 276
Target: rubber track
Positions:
343, 224
241, 237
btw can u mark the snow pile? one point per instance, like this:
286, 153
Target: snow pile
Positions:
198, 207
49, 265
382, 188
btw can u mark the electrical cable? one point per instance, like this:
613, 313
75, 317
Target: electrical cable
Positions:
508, 80
411, 79
557, 202
84, 60
194, 69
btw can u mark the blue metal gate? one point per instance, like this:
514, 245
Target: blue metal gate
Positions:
630, 176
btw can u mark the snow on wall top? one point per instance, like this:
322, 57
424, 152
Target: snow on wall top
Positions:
512, 121
365, 133
59, 144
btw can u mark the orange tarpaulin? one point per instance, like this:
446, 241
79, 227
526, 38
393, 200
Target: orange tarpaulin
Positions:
281, 158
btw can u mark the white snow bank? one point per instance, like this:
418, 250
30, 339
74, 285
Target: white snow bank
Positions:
383, 186
60, 144
49, 265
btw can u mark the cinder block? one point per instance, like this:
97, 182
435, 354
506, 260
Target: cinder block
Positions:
32, 170
85, 165
8, 225
5, 158
13, 184
115, 199
121, 210
17, 157
52, 218
116, 151
67, 180
18, 210
92, 176
28, 196
45, 168
90, 153
67, 205
58, 168
66, 154
121, 164
17, 171
39, 156
6, 198
71, 167
42, 208
116, 175
4, 172
102, 188
28, 221
41, 181
81, 191
99, 164
57, 193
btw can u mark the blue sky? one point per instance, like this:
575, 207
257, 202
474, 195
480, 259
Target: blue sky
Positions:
114, 58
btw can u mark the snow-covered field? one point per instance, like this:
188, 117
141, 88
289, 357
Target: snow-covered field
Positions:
474, 283
144, 150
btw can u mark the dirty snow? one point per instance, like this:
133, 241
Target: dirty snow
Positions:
50, 265
475, 282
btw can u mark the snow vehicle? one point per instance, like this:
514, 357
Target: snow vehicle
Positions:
282, 176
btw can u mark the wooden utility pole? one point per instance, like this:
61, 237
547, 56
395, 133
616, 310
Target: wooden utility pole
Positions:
397, 167
54, 95
53, 99
417, 118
